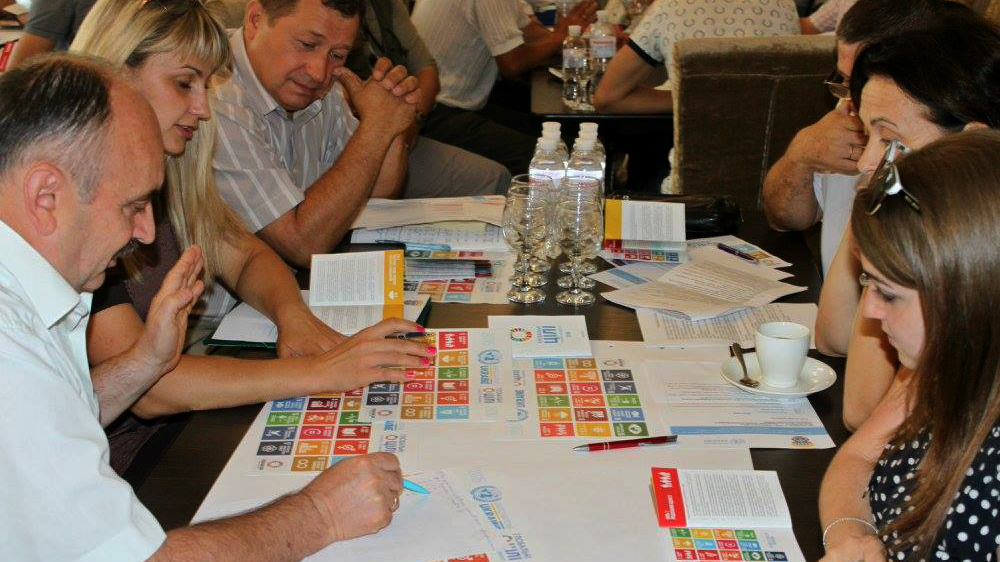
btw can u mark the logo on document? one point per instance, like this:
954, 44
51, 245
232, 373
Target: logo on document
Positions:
520, 334
486, 494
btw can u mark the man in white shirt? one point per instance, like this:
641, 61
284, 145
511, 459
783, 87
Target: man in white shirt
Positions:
80, 155
473, 42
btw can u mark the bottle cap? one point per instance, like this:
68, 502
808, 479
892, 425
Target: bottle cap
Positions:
551, 125
550, 134
584, 143
547, 143
588, 126
574, 30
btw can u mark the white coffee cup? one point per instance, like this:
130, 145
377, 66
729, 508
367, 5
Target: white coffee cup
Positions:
781, 352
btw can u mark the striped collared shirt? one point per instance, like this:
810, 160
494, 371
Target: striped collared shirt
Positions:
264, 158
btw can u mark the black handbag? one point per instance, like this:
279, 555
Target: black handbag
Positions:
704, 215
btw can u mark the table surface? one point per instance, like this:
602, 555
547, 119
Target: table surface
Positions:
546, 102
183, 475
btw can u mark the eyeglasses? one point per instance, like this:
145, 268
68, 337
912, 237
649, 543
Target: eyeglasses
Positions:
839, 85
885, 181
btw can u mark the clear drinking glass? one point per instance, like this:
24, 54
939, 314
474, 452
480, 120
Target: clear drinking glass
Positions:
586, 72
581, 231
525, 220
580, 188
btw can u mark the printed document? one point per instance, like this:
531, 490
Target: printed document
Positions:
436, 237
659, 328
382, 213
544, 336
704, 289
357, 278
704, 410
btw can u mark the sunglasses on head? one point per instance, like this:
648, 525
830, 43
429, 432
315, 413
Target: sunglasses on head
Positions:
839, 85
885, 181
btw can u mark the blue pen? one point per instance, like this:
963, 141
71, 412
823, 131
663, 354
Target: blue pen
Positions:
736, 252
414, 487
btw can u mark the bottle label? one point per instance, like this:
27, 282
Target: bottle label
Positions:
603, 46
556, 175
572, 58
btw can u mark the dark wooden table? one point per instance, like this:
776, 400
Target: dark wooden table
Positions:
546, 101
183, 475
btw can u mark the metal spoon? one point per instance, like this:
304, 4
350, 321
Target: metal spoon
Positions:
746, 380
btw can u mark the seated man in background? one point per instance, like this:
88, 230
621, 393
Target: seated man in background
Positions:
80, 157
51, 27
291, 158
815, 179
473, 42
665, 22
386, 31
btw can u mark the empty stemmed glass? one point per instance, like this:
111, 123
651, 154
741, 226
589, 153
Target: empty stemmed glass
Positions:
581, 231
525, 220
579, 188
541, 185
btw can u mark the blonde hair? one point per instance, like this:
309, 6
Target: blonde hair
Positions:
127, 33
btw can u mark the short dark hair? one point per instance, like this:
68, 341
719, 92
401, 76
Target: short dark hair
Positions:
952, 69
870, 21
280, 8
61, 104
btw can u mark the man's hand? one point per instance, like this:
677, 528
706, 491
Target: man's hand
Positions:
162, 339
397, 80
357, 496
832, 144
301, 334
583, 14
375, 101
368, 357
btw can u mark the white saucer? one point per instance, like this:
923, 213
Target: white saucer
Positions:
815, 376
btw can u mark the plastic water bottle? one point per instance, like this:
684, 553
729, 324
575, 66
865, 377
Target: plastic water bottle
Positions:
574, 56
561, 147
563, 7
585, 161
602, 45
548, 162
589, 130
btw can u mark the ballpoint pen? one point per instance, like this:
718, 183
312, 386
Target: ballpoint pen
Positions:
627, 443
414, 487
736, 252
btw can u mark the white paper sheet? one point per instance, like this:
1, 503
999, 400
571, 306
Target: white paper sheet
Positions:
246, 324
490, 240
542, 336
703, 289
665, 329
382, 213
631, 274
696, 404
763, 256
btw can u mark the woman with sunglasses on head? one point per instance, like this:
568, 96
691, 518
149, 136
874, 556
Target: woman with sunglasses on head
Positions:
912, 89
170, 50
920, 479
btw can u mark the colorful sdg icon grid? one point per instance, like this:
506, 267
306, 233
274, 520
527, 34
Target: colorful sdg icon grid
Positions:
720, 544
649, 255
313, 431
576, 399
439, 391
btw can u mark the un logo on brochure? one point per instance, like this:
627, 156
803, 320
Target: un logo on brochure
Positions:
489, 357
486, 494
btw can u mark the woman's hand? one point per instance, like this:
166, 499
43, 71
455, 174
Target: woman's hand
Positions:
855, 547
368, 357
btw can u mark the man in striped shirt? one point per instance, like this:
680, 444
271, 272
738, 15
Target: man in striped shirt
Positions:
291, 157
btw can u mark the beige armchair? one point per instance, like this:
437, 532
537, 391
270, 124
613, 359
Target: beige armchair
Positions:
737, 104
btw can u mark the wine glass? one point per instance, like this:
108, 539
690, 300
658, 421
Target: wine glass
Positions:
525, 220
541, 186
581, 231
584, 74
580, 188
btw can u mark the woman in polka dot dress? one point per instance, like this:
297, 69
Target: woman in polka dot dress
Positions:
927, 231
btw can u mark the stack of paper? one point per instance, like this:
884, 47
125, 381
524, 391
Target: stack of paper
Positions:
382, 213
420, 270
645, 230
711, 285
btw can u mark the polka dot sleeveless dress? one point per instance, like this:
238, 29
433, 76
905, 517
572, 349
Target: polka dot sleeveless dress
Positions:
972, 525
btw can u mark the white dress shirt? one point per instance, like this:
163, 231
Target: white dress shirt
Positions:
464, 36
59, 498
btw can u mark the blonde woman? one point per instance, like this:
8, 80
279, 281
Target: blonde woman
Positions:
170, 50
